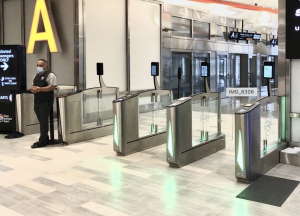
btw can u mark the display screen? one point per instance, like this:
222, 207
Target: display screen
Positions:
205, 69
244, 36
292, 29
12, 76
274, 42
256, 36
154, 69
269, 70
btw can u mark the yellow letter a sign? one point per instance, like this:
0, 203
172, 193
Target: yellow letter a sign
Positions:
50, 33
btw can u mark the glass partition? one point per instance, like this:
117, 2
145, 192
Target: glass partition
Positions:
182, 27
153, 114
222, 32
204, 121
97, 109
201, 30
269, 124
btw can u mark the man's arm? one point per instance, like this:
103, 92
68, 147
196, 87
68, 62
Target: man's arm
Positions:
44, 89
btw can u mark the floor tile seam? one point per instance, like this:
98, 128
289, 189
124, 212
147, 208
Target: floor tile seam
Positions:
53, 207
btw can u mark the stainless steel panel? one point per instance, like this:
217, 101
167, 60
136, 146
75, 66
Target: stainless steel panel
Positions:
75, 137
81, 79
208, 149
239, 49
184, 131
153, 141
131, 147
281, 48
98, 132
74, 120
221, 47
181, 11
132, 123
30, 116
291, 159
220, 20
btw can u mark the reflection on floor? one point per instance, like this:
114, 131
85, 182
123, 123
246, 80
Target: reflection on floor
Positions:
88, 178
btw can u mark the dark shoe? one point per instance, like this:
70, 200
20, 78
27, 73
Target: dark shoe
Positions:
39, 144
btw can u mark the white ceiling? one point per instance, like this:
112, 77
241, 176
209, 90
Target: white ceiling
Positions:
262, 3
223, 10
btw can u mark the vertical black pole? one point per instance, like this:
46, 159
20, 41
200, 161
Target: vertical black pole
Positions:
178, 88
13, 92
51, 126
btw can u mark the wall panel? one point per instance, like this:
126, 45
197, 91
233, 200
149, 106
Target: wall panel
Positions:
144, 42
12, 22
106, 42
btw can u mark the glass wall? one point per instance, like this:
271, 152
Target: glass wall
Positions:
183, 88
201, 30
222, 33
182, 27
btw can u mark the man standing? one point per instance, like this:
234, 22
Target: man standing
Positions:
43, 87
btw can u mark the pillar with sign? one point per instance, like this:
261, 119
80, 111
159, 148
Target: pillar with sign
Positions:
12, 77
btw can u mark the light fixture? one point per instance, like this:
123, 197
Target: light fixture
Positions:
264, 17
221, 10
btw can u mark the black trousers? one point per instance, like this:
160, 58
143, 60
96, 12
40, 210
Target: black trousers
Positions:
42, 111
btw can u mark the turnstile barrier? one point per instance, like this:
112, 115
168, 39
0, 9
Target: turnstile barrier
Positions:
259, 135
140, 120
86, 114
194, 128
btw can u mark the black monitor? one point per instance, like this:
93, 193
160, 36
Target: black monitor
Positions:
154, 68
205, 69
100, 69
269, 70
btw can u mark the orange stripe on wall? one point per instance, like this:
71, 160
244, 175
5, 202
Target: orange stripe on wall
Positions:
238, 5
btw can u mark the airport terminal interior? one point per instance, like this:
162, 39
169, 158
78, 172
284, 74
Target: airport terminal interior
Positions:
152, 107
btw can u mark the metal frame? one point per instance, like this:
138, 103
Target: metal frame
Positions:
250, 161
179, 148
70, 116
126, 139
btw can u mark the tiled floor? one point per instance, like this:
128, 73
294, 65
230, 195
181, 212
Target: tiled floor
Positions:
89, 179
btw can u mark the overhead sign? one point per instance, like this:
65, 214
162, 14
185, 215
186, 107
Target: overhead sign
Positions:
43, 11
244, 36
292, 29
12, 76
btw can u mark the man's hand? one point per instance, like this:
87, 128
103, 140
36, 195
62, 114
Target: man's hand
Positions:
36, 89
32, 89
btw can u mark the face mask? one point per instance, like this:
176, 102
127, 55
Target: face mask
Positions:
40, 69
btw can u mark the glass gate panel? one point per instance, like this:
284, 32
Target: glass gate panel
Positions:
97, 109
204, 120
152, 114
269, 122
